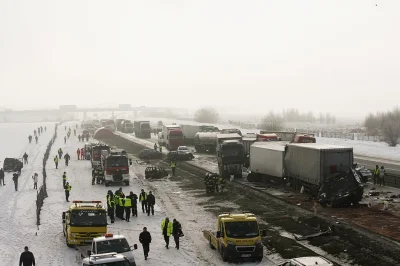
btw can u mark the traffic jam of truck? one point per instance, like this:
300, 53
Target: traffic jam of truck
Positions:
325, 172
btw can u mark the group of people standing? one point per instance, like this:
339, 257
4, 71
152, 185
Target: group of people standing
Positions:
379, 175
36, 134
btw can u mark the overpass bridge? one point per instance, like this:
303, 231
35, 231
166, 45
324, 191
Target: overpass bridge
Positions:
56, 114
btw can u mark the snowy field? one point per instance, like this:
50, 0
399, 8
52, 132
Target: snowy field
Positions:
18, 208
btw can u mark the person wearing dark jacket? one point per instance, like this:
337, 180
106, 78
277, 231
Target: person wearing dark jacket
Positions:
145, 240
15, 179
134, 199
27, 258
111, 205
67, 158
151, 201
176, 232
25, 158
2, 177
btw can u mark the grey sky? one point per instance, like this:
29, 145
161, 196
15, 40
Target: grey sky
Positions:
330, 56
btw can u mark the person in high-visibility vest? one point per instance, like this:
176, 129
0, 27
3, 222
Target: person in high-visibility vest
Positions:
56, 161
67, 190
143, 200
173, 166
128, 206
121, 207
64, 178
376, 174
110, 205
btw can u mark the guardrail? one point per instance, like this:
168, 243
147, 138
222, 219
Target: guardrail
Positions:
42, 192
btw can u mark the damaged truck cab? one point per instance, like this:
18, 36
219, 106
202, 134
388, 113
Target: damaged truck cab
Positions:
237, 237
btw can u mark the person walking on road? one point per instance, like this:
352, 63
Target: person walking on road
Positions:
110, 205
65, 140
79, 138
67, 189
64, 178
166, 229
151, 201
78, 153
30, 138
176, 232
35, 178
382, 176
25, 157
376, 174
82, 154
2, 177
145, 240
15, 179
60, 153
27, 258
36, 139
143, 200
56, 161
155, 146
173, 166
67, 158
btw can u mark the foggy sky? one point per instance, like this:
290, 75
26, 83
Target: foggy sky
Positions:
252, 56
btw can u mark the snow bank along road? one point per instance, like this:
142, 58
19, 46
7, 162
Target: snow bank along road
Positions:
49, 245
348, 244
18, 208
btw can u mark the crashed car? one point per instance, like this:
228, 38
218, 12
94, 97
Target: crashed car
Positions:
364, 173
341, 189
179, 156
153, 172
12, 165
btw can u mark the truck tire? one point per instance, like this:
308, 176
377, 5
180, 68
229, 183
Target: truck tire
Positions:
66, 242
211, 246
259, 259
106, 184
126, 183
224, 255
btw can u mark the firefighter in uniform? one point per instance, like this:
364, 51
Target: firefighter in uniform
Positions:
143, 200
134, 199
110, 205
100, 176
127, 206
221, 183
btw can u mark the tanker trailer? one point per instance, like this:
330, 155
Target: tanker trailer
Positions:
205, 141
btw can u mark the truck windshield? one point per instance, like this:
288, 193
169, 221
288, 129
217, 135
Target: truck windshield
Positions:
88, 218
117, 161
113, 245
145, 126
241, 229
232, 151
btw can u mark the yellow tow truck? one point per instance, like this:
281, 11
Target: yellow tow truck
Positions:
237, 237
83, 221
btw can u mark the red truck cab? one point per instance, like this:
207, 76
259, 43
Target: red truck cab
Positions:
304, 138
174, 139
267, 137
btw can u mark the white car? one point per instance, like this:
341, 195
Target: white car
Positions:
307, 261
112, 259
113, 243
183, 148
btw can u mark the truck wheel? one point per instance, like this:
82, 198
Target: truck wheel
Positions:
127, 183
106, 184
259, 259
66, 242
211, 246
224, 254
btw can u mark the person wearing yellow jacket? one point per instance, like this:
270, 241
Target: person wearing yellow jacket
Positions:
56, 161
166, 229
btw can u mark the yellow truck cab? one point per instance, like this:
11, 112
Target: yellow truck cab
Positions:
237, 237
83, 221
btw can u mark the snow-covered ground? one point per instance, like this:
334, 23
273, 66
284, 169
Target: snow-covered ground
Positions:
18, 223
18, 208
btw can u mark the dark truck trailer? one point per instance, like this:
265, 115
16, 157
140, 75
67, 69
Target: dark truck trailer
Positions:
126, 126
205, 141
230, 155
142, 129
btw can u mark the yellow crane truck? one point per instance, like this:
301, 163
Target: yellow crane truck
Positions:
237, 237
83, 221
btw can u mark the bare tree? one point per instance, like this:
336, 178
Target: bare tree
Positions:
391, 127
206, 115
272, 122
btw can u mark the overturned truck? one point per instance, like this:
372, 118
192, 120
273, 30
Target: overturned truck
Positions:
321, 170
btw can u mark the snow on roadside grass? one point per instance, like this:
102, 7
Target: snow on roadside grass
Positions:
18, 208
